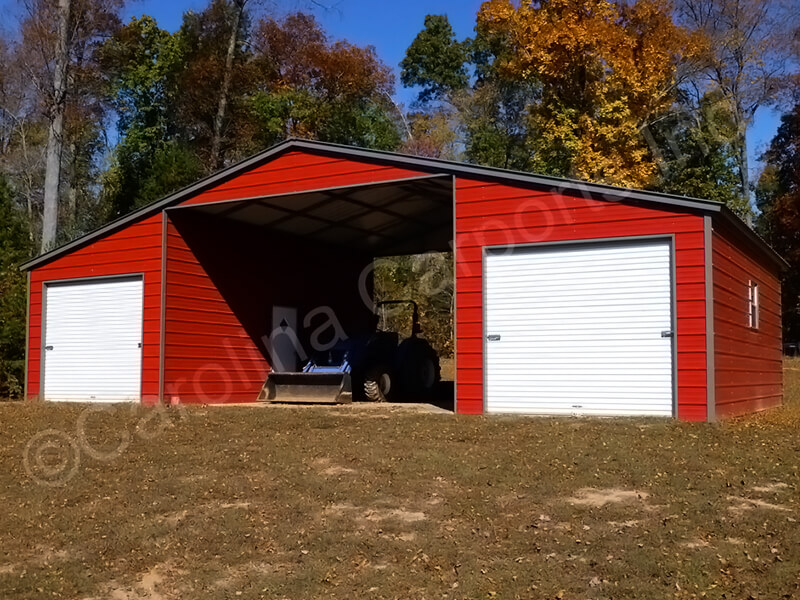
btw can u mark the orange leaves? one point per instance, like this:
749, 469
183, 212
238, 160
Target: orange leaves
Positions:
606, 70
295, 53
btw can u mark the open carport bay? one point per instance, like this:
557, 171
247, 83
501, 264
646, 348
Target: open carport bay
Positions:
265, 283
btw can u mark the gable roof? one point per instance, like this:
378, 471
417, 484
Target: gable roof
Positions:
597, 191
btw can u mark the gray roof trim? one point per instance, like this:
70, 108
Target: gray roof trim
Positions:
593, 190
157, 206
733, 219
431, 165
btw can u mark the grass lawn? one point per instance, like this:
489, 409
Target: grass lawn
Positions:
380, 502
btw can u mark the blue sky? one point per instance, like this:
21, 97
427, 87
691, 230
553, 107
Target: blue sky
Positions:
390, 27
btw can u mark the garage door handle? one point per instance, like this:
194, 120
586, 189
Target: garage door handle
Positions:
666, 333
48, 347
493, 338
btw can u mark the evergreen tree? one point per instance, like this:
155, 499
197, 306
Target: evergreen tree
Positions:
15, 247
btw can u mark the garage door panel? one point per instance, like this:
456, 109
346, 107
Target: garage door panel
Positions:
610, 411
595, 300
589, 285
578, 329
93, 332
577, 254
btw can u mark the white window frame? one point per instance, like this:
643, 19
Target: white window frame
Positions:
753, 304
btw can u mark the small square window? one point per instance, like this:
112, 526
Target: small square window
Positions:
753, 304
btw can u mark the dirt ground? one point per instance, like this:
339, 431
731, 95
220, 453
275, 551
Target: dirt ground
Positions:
351, 502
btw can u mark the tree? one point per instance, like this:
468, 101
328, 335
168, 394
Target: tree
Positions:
142, 63
15, 247
435, 61
778, 200
496, 111
236, 9
606, 70
59, 38
468, 109
746, 58
215, 81
432, 134
697, 154
23, 133
55, 132
312, 88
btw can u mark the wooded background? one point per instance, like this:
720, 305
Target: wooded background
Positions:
100, 117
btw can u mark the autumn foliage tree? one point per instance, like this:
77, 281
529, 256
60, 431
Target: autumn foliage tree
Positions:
311, 87
213, 80
284, 78
606, 70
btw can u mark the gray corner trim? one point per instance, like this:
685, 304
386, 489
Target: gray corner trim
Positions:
623, 240
163, 308
455, 301
27, 334
711, 392
443, 167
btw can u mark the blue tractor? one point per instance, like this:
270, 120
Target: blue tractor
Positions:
378, 367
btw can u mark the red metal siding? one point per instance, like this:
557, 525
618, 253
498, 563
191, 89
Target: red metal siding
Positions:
489, 214
747, 362
138, 247
135, 249
199, 367
223, 278
300, 171
213, 343
208, 355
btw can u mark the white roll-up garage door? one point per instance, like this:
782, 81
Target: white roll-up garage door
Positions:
579, 329
93, 340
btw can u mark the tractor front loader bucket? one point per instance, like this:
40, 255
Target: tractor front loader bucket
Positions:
315, 387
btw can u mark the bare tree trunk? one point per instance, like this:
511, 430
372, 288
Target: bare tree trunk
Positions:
744, 168
55, 134
71, 193
222, 105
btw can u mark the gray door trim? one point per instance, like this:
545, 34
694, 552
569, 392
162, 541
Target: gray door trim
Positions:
670, 238
711, 376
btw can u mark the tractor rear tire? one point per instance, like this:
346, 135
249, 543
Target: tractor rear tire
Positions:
418, 368
378, 385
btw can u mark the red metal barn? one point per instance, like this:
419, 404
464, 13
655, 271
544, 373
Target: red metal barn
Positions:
572, 298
